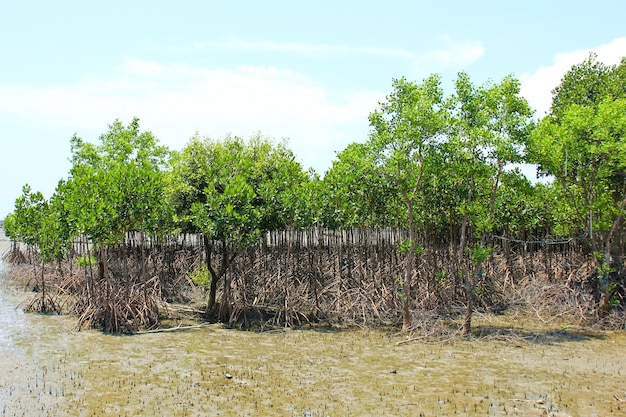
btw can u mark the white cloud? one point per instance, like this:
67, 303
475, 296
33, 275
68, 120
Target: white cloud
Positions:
452, 53
537, 87
176, 100
318, 49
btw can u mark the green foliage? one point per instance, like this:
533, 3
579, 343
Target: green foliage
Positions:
200, 276
602, 266
479, 254
409, 246
585, 84
233, 190
488, 129
117, 186
309, 203
442, 278
28, 216
404, 129
10, 226
614, 296
40, 223
113, 188
85, 261
355, 194
581, 144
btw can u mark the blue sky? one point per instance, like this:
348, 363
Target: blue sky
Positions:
310, 72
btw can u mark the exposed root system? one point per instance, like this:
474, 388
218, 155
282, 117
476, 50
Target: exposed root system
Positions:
332, 280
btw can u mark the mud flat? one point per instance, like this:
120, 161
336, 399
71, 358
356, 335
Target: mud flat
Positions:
517, 367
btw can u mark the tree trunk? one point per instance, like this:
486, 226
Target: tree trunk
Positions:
604, 305
467, 282
467, 322
469, 295
408, 271
216, 274
102, 265
208, 253
88, 271
43, 288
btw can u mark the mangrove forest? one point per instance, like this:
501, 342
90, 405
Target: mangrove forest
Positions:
428, 219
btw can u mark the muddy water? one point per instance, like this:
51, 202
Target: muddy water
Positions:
46, 369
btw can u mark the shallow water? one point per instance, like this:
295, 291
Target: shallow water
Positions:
47, 369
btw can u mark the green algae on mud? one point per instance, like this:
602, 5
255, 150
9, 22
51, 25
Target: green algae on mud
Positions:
46, 369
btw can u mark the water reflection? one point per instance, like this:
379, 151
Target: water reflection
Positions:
11, 317
11, 320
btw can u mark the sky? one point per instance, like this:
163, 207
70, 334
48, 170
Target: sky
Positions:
308, 72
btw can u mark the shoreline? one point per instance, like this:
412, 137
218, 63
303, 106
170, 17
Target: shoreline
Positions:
5, 243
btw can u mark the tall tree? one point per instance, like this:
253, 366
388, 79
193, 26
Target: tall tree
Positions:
40, 224
488, 131
404, 127
25, 223
581, 144
116, 187
232, 191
